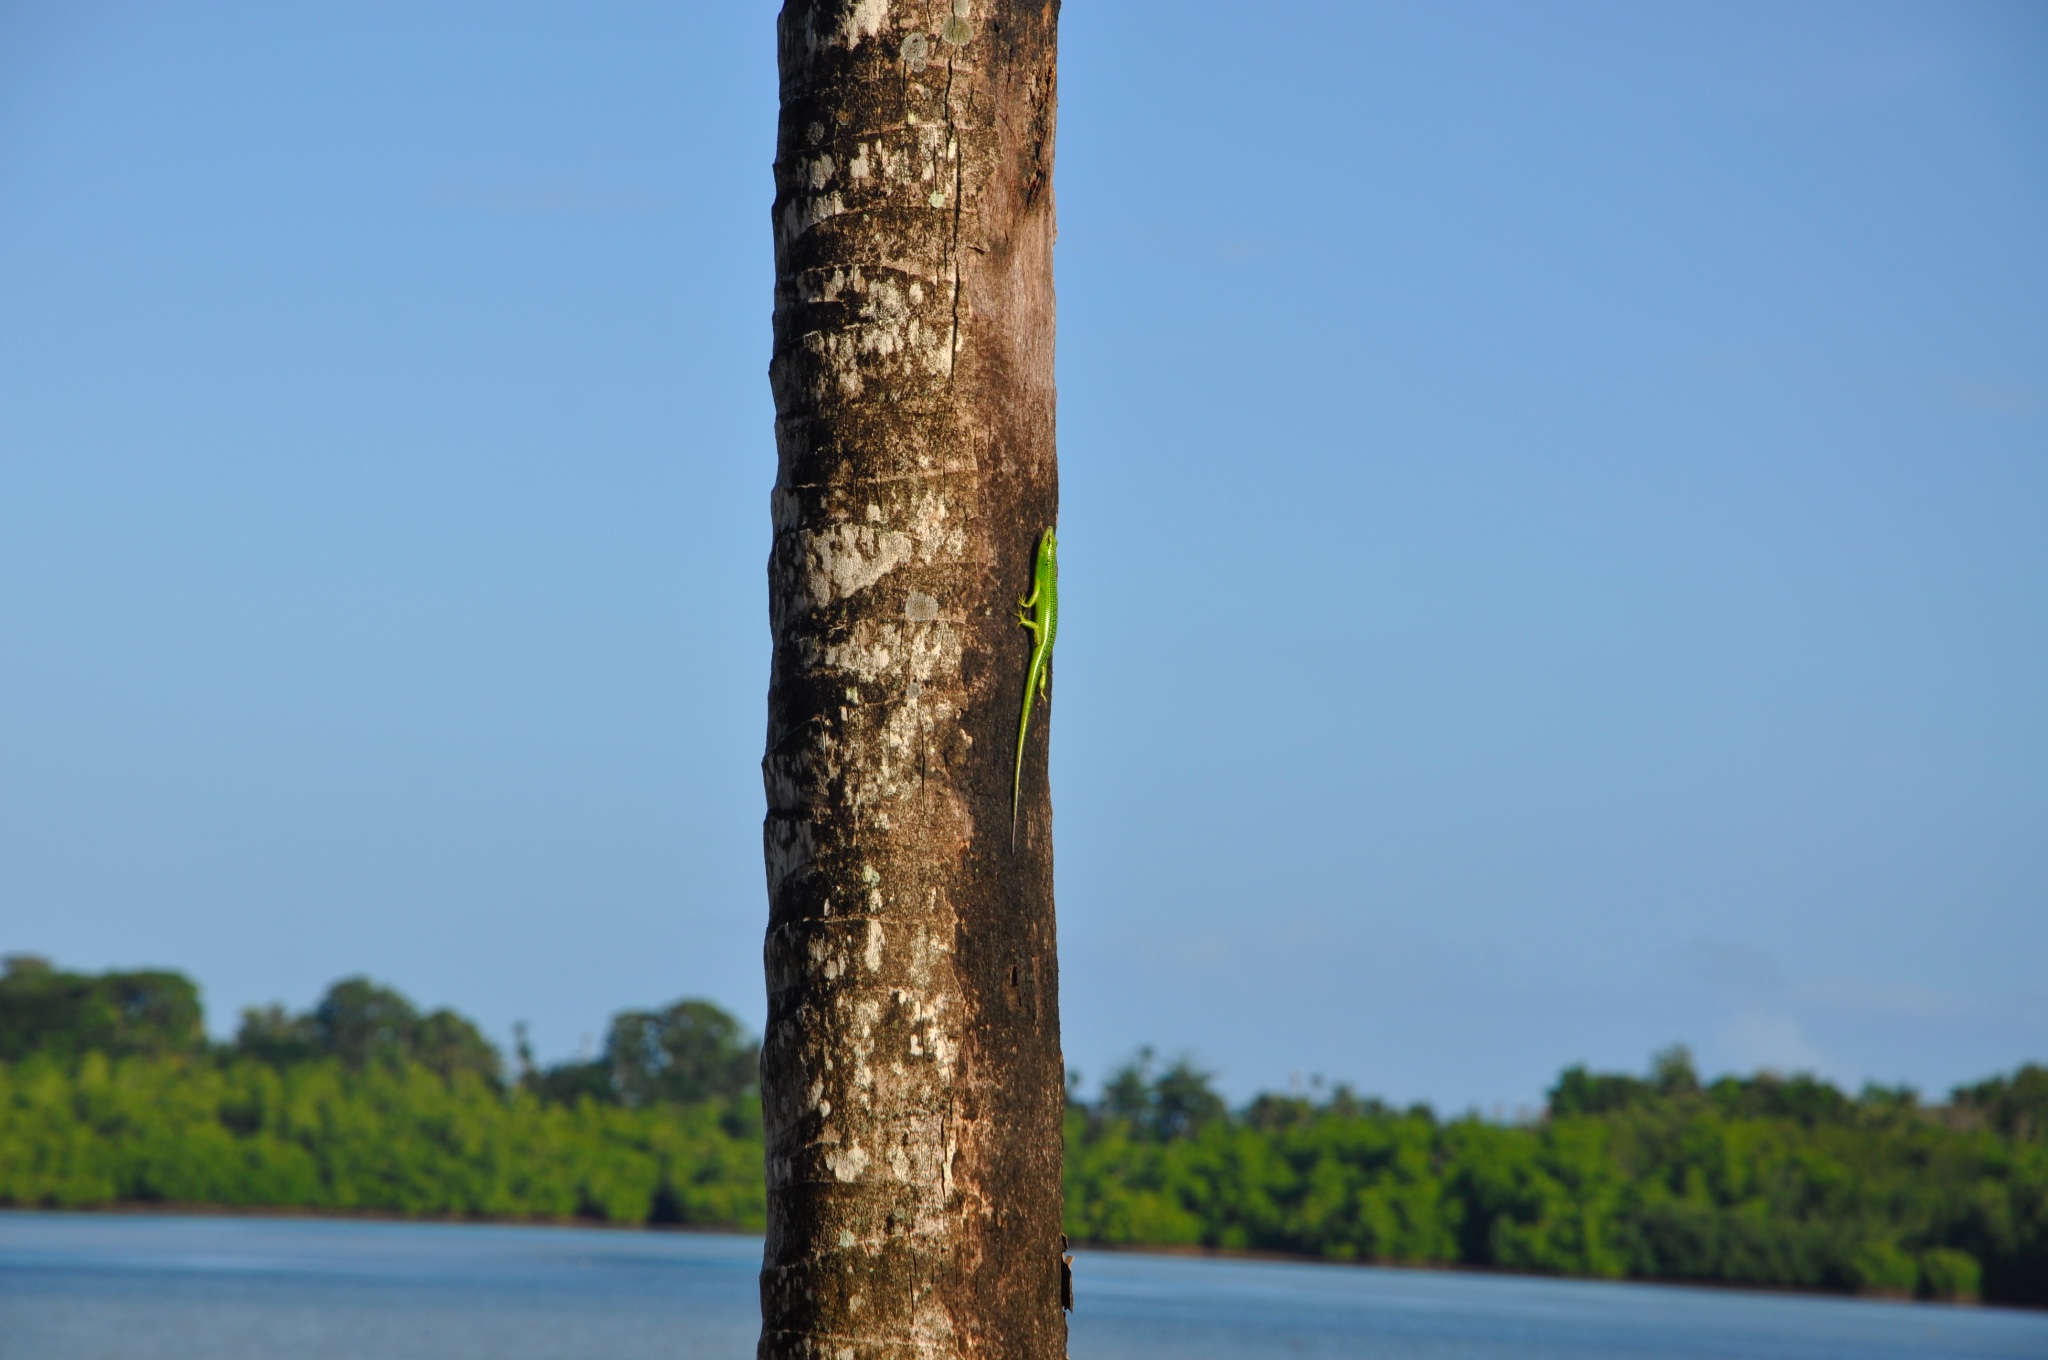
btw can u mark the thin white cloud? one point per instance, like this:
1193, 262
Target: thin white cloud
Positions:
1890, 1000
1771, 1041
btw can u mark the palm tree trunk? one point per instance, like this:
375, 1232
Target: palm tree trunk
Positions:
911, 1070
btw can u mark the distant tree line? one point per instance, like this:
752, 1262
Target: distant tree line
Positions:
110, 1092
1764, 1180
686, 1054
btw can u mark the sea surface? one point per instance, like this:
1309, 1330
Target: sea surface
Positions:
144, 1287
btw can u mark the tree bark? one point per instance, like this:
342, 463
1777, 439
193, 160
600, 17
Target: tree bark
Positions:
911, 1070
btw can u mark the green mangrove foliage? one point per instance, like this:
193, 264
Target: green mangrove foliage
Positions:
1763, 1180
110, 1093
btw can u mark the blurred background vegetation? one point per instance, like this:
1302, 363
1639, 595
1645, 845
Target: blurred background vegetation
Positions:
1764, 1180
112, 1094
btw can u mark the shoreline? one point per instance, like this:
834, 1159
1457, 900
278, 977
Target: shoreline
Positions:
178, 1209
1506, 1273
168, 1209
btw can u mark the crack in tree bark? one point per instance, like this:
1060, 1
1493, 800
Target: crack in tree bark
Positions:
953, 245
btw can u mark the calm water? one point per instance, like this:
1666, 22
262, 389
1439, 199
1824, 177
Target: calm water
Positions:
93, 1287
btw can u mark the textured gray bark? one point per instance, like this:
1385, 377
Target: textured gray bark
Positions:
911, 1070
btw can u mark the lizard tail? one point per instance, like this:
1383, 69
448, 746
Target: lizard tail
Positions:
1016, 788
1017, 779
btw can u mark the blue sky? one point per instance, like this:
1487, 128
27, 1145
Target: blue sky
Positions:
1553, 523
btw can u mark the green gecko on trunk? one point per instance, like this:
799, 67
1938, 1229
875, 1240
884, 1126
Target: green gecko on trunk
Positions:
1044, 622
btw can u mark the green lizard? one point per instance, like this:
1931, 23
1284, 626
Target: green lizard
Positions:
1044, 599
